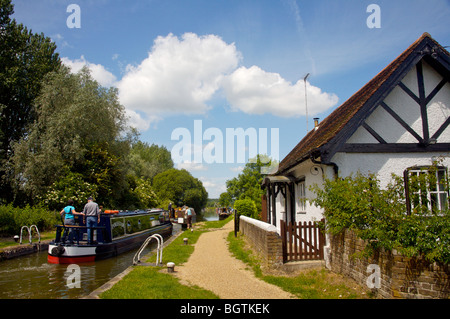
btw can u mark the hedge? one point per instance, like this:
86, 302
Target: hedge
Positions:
13, 218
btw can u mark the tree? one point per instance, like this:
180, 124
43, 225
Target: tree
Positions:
246, 207
225, 199
68, 186
144, 193
25, 58
180, 187
248, 183
78, 127
146, 161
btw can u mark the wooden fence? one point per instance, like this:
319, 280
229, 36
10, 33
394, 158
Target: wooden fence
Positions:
302, 241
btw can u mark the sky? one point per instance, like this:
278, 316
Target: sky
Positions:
196, 76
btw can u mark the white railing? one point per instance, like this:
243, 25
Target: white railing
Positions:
29, 229
159, 249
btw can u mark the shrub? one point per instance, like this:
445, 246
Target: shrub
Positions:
13, 218
379, 216
246, 207
70, 186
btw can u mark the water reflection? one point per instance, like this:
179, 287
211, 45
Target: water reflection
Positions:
208, 215
30, 277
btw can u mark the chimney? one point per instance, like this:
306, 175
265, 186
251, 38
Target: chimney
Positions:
316, 123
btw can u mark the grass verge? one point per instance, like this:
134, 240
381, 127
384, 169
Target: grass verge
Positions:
154, 282
317, 283
9, 241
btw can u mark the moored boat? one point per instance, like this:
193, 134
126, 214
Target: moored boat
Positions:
223, 213
116, 233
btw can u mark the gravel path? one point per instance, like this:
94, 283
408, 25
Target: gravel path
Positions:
212, 267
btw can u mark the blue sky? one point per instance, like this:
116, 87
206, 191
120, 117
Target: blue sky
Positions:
232, 64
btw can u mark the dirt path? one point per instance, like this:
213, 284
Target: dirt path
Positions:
211, 266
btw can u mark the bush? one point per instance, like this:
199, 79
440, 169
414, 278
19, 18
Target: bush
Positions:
13, 218
379, 217
246, 207
70, 186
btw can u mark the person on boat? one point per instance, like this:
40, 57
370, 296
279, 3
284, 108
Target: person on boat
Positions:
91, 212
69, 219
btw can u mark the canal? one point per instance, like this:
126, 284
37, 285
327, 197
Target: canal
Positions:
32, 277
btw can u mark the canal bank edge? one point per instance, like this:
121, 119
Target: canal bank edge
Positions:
11, 252
106, 286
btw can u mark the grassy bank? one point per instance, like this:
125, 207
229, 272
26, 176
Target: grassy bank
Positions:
318, 283
154, 282
146, 282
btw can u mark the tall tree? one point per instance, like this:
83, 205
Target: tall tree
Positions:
25, 58
78, 127
146, 161
248, 184
181, 188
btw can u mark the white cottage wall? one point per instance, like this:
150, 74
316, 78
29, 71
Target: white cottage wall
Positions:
383, 165
313, 175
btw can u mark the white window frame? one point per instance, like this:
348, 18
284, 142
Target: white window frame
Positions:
437, 196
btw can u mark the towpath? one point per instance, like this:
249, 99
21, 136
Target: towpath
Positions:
212, 267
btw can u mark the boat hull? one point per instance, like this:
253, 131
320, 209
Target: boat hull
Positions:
74, 254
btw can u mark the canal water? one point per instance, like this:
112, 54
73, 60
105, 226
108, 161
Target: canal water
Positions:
32, 277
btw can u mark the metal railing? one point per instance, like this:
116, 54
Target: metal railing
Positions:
159, 249
29, 229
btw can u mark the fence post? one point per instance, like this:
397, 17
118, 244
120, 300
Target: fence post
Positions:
283, 239
236, 222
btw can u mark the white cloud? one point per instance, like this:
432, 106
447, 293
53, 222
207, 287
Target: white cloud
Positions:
237, 169
141, 123
255, 91
179, 75
98, 71
190, 166
214, 185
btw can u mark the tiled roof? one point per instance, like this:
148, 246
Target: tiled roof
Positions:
337, 120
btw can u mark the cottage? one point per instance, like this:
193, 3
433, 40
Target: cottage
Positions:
397, 122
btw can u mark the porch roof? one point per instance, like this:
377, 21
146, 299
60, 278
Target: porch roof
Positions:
272, 179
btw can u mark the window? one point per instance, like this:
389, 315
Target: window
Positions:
300, 198
426, 189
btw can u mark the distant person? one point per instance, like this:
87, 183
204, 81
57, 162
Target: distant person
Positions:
69, 219
189, 217
92, 216
171, 211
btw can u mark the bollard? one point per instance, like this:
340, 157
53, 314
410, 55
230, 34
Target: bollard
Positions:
185, 241
170, 267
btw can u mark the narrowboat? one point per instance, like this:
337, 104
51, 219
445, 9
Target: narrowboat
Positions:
117, 232
224, 213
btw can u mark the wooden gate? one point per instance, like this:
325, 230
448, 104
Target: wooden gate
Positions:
302, 241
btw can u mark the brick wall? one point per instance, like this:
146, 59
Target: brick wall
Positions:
264, 239
401, 277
